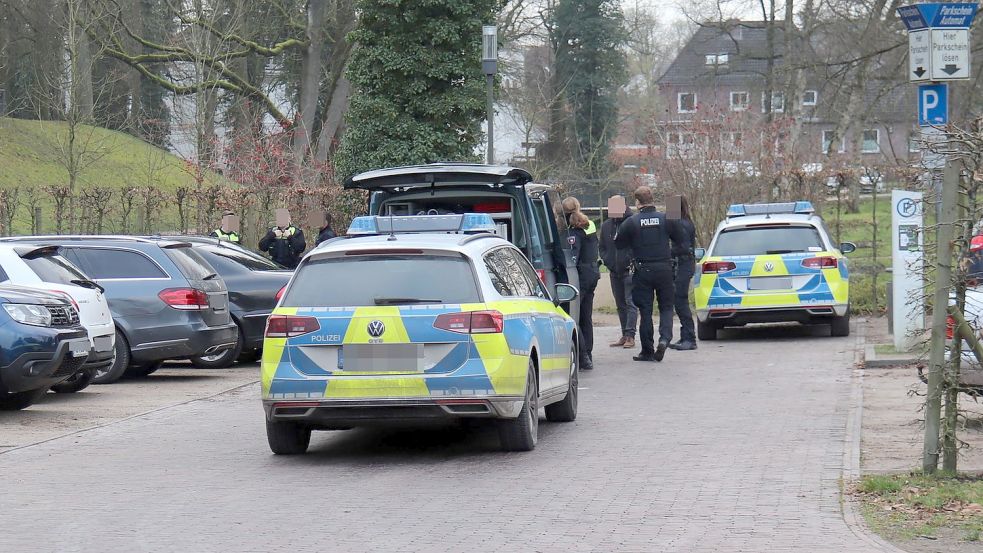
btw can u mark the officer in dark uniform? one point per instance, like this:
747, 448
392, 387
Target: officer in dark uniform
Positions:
684, 264
285, 244
583, 246
326, 232
648, 233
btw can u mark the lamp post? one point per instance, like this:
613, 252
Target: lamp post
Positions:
489, 65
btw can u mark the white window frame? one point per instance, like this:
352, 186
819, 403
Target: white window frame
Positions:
717, 59
863, 141
914, 142
815, 98
774, 94
823, 141
679, 102
740, 107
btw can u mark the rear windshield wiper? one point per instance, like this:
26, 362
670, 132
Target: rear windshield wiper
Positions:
210, 276
397, 301
777, 252
84, 283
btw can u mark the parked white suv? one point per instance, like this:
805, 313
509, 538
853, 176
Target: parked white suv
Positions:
43, 268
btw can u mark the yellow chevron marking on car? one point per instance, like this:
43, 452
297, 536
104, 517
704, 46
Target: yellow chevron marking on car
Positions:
358, 332
705, 289
778, 269
383, 386
272, 353
778, 266
839, 286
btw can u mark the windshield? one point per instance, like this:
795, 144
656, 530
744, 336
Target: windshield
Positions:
229, 255
383, 280
768, 240
192, 265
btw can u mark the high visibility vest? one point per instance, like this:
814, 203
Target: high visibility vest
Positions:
230, 236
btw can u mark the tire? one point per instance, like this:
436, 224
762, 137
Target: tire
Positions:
287, 438
706, 331
566, 410
522, 432
840, 326
121, 361
223, 359
137, 371
75, 383
21, 400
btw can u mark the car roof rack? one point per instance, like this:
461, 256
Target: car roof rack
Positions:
798, 208
466, 223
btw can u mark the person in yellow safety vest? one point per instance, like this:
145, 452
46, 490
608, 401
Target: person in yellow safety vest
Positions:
582, 236
225, 233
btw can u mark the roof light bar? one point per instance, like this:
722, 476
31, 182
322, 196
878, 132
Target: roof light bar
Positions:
466, 223
740, 210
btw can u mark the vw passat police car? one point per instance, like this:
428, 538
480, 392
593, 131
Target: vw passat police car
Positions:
415, 318
772, 263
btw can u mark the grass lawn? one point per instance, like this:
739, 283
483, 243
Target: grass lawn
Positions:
905, 507
32, 157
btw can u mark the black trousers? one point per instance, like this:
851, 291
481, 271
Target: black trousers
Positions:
684, 275
653, 282
586, 322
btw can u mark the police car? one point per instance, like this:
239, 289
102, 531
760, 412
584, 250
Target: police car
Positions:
416, 318
772, 263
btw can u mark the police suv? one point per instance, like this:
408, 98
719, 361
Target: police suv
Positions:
772, 263
426, 318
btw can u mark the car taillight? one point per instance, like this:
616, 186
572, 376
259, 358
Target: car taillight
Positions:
541, 273
67, 296
820, 263
718, 266
288, 326
280, 292
471, 322
187, 299
976, 244
950, 327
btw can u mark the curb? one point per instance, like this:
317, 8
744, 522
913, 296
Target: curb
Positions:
851, 453
110, 423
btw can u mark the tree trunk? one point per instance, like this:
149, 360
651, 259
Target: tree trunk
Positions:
310, 79
333, 118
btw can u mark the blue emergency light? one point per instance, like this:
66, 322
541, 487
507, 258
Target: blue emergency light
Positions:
800, 208
467, 223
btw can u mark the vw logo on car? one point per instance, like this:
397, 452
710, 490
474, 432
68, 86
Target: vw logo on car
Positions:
376, 329
769, 267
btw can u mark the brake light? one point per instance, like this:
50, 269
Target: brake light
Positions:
541, 273
67, 296
280, 292
185, 299
976, 244
471, 322
820, 263
950, 327
288, 326
718, 266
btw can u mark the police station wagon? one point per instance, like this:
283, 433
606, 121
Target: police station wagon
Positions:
772, 263
417, 318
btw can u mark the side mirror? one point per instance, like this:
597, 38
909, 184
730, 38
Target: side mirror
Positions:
700, 253
848, 247
565, 293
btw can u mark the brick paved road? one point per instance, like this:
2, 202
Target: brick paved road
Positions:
737, 447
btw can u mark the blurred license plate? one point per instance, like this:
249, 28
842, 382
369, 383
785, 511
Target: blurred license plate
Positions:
769, 283
79, 348
102, 343
381, 358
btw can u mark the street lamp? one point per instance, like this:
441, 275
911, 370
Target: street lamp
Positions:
489, 64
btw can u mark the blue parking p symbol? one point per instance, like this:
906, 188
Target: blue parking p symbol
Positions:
933, 104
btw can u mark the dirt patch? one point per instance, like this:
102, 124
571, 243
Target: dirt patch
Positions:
59, 414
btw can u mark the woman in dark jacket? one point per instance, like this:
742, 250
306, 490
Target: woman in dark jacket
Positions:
582, 236
684, 262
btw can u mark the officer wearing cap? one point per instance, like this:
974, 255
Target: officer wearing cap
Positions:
649, 234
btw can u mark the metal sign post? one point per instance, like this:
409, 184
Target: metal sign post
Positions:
942, 28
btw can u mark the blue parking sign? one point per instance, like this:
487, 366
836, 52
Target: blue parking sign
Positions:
933, 104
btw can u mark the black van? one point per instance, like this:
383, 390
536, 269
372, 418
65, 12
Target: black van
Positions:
527, 214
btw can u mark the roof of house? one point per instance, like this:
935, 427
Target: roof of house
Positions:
745, 42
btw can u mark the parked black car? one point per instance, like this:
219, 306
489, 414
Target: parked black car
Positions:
253, 282
166, 300
41, 344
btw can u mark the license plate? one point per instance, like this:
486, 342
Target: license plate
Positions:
79, 349
102, 343
769, 283
381, 358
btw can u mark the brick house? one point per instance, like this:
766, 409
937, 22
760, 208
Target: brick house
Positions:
718, 81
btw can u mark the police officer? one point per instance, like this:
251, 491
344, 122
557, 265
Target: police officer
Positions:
649, 233
285, 244
582, 235
326, 232
224, 232
684, 264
